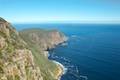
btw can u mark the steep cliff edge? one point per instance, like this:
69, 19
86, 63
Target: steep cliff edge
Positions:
23, 55
16, 60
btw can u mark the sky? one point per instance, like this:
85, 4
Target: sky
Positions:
66, 11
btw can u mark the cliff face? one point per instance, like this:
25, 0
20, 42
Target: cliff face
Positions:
16, 60
56, 37
23, 55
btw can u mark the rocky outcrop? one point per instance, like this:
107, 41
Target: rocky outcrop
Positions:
16, 59
21, 67
56, 37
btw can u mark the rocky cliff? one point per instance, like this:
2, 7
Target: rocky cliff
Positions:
16, 61
24, 58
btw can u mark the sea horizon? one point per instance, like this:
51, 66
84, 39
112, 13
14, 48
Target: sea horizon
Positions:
33, 35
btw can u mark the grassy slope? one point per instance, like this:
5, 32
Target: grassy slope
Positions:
45, 65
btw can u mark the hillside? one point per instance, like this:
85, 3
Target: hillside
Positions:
16, 60
21, 58
40, 41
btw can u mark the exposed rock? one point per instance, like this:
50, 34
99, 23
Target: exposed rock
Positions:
16, 60
56, 37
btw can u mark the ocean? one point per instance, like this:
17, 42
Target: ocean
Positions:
92, 51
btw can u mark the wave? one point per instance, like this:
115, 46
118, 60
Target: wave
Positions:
69, 68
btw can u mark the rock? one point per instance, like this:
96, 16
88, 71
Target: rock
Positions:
56, 37
16, 60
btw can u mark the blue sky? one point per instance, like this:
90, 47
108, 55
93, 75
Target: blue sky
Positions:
78, 11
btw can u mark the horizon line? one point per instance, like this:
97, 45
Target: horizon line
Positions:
62, 22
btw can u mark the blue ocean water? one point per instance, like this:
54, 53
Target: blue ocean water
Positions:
92, 51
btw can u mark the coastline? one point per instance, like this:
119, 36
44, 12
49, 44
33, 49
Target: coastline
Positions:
62, 70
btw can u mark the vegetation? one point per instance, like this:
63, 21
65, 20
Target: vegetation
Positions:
22, 55
14, 55
47, 67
